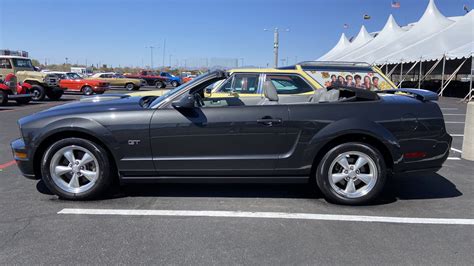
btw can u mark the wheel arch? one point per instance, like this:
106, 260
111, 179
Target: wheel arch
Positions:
41, 149
367, 132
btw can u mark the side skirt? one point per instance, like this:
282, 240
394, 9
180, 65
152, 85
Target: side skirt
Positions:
215, 179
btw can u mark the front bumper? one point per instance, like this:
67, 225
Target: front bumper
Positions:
24, 164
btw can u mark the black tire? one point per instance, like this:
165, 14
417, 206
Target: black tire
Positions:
130, 86
87, 90
38, 93
55, 95
174, 83
23, 100
104, 178
327, 186
159, 84
3, 97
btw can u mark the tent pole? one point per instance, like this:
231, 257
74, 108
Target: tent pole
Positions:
451, 77
401, 75
386, 68
442, 74
419, 74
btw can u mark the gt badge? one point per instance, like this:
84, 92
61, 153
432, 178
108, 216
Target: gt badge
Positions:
132, 142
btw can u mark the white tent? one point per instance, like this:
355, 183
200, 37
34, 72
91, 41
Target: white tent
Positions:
390, 32
445, 42
360, 40
341, 45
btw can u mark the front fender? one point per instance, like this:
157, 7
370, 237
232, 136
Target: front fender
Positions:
77, 125
351, 126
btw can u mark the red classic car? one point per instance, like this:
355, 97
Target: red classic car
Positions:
73, 82
11, 90
151, 78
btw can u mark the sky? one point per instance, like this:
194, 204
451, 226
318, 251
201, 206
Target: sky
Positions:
117, 32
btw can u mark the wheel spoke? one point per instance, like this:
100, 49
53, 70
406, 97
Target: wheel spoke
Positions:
91, 176
69, 155
350, 187
61, 170
361, 161
366, 178
344, 163
87, 158
337, 177
74, 182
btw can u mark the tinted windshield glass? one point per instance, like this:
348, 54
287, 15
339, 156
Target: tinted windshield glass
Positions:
26, 63
73, 76
179, 88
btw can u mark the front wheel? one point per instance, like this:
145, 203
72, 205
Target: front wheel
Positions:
351, 174
87, 91
174, 83
76, 169
38, 93
130, 86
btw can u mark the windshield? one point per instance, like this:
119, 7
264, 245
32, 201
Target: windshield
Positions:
179, 88
24, 63
73, 76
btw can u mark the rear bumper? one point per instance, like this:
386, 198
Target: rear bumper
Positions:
433, 163
24, 164
97, 88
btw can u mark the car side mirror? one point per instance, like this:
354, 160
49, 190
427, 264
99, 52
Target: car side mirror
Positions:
187, 102
209, 90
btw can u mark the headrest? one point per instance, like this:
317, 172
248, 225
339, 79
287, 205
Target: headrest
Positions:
270, 91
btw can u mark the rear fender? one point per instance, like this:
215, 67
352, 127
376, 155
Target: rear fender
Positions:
347, 127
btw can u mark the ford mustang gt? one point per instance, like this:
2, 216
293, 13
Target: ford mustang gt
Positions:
347, 139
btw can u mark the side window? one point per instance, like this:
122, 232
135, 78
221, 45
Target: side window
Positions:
5, 63
289, 84
241, 83
103, 76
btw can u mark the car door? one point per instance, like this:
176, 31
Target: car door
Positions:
223, 138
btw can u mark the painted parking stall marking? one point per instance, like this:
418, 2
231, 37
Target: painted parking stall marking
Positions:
7, 164
270, 215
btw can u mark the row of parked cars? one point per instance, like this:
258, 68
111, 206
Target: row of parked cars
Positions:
20, 81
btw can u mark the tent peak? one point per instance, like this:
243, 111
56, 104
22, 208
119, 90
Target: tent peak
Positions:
433, 15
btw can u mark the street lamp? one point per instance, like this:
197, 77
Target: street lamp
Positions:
276, 34
151, 54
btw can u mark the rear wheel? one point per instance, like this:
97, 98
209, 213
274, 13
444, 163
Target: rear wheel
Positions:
87, 90
351, 173
55, 95
159, 84
76, 169
38, 93
3, 97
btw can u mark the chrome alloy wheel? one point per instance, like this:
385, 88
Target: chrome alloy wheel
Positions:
74, 169
353, 174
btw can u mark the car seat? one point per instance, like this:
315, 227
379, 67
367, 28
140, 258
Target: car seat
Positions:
270, 93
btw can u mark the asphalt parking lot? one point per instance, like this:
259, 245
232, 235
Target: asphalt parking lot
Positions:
239, 224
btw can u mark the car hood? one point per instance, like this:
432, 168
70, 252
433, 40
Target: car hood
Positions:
89, 105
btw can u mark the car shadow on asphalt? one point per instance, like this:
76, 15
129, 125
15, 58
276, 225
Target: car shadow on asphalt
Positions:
399, 188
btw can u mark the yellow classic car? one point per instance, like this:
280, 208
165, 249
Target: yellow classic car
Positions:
119, 80
300, 80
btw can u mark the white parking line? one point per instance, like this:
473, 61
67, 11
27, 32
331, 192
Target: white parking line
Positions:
456, 150
453, 122
454, 158
449, 108
454, 114
457, 135
271, 215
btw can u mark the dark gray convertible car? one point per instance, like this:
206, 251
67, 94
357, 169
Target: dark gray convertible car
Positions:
348, 140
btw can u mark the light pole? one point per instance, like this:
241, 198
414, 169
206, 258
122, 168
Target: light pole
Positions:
151, 54
276, 43
170, 59
164, 50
